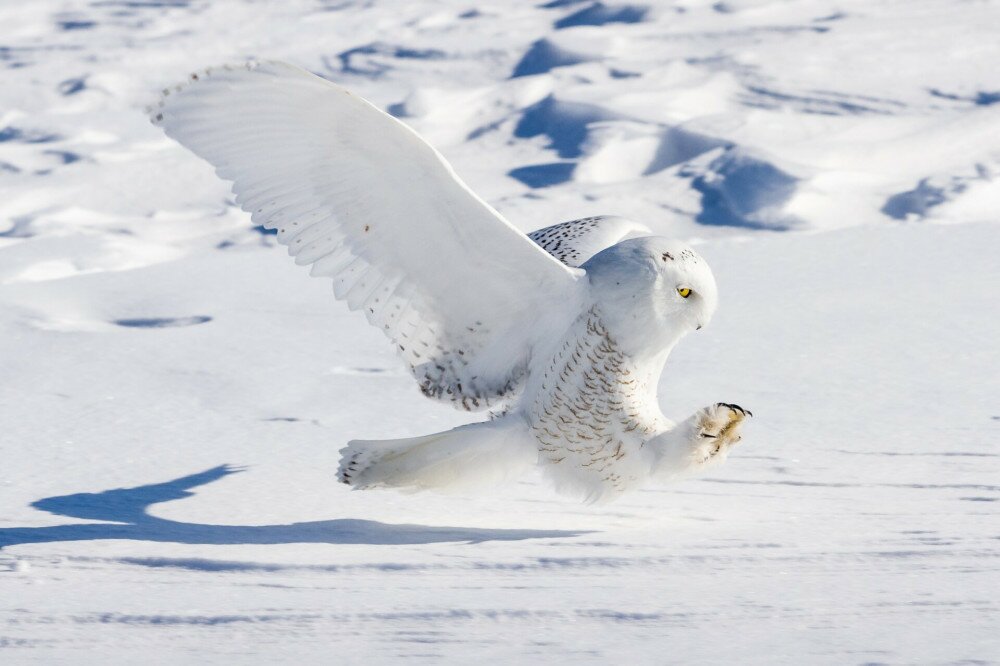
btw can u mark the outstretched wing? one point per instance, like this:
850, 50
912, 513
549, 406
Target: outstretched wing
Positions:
360, 196
576, 241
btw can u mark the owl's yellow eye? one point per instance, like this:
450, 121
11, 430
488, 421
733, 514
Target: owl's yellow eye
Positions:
684, 292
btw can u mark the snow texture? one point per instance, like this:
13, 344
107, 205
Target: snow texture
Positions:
175, 390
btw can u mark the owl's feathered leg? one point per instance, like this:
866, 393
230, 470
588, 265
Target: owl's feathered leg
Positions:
702, 441
469, 456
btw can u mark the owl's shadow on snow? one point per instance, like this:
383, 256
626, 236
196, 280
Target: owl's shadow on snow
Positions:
125, 510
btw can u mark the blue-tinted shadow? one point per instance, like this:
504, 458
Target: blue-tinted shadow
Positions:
358, 60
75, 25
739, 190
544, 175
602, 14
544, 56
981, 98
162, 322
917, 201
72, 86
26, 136
126, 513
564, 123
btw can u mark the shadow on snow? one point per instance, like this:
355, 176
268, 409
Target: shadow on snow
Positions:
125, 509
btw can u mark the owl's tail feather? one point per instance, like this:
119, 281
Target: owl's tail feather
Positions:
466, 457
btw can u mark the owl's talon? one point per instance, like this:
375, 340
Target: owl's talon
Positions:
735, 408
721, 424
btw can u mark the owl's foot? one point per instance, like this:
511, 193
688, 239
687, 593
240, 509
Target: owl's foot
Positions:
700, 442
718, 431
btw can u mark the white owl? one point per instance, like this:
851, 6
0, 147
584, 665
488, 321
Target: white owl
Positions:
564, 335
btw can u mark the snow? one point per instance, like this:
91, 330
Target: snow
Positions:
175, 390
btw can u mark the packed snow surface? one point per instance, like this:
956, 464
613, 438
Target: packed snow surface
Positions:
174, 390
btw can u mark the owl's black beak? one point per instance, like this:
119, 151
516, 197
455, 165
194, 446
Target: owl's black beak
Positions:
699, 327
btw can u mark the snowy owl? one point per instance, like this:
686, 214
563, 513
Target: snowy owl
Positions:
562, 335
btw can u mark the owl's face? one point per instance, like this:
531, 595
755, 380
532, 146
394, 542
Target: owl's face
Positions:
654, 289
684, 289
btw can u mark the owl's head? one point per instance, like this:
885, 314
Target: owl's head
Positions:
653, 290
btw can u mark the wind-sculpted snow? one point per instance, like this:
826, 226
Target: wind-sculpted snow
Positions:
743, 190
349, 59
544, 56
544, 175
565, 124
598, 13
838, 165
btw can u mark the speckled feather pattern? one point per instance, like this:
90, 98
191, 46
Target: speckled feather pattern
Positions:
576, 241
558, 240
594, 412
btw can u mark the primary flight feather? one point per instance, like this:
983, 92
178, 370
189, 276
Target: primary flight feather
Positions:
563, 334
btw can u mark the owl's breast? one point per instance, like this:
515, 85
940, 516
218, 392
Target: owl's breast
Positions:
593, 412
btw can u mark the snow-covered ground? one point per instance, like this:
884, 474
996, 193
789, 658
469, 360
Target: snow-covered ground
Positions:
173, 391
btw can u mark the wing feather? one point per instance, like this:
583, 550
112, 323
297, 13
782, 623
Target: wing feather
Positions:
576, 241
361, 198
